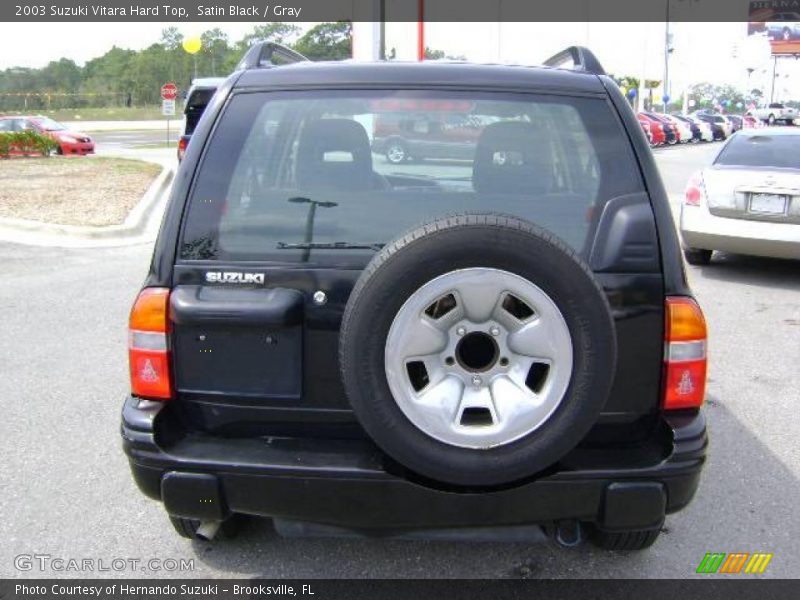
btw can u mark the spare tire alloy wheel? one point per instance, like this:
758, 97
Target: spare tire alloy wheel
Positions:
477, 350
478, 357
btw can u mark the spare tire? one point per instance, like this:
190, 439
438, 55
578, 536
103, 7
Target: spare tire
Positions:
477, 349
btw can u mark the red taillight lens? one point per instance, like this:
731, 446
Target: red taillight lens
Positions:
685, 337
695, 191
148, 345
182, 143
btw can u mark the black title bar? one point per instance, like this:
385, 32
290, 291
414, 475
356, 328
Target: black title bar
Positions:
324, 589
397, 10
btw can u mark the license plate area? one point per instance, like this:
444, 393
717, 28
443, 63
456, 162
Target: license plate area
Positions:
768, 204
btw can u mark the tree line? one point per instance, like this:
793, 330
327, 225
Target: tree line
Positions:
123, 77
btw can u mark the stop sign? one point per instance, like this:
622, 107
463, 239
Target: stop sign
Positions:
169, 91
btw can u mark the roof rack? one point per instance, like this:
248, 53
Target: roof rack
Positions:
582, 59
269, 54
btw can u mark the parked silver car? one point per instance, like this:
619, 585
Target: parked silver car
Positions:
748, 200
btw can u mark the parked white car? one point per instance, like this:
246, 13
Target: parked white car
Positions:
706, 132
716, 119
748, 200
684, 128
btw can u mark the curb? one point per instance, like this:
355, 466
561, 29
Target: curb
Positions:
132, 230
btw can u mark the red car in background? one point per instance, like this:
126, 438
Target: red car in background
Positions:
657, 135
647, 130
69, 142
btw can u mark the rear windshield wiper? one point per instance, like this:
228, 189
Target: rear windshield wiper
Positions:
329, 246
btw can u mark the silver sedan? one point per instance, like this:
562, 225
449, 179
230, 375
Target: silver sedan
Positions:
748, 200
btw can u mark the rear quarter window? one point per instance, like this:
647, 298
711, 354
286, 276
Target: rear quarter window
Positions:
284, 171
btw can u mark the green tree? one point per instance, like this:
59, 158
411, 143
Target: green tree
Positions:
62, 75
150, 70
708, 95
171, 38
119, 74
327, 41
109, 77
215, 47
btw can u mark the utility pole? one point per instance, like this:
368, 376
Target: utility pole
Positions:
774, 76
382, 32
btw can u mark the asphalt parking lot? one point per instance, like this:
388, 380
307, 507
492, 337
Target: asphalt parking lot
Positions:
67, 492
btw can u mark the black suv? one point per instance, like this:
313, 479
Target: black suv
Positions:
473, 347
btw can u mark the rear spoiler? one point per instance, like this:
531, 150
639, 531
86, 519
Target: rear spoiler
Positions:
268, 54
582, 59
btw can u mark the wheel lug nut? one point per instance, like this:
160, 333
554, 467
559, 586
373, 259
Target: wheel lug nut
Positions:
494, 330
461, 330
476, 381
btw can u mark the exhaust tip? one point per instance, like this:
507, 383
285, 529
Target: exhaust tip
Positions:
569, 533
207, 530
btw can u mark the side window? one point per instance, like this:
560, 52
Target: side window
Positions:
6, 124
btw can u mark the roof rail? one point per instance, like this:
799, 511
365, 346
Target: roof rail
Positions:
582, 59
268, 54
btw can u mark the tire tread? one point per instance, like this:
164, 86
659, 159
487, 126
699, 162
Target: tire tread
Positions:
626, 541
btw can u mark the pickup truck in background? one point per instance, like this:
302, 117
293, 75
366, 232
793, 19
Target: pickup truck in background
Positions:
775, 113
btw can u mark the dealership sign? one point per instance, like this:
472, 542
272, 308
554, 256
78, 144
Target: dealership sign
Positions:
777, 21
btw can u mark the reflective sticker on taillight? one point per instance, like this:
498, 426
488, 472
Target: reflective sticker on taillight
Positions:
686, 385
150, 374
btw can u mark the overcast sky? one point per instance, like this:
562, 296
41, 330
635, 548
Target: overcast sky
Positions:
703, 51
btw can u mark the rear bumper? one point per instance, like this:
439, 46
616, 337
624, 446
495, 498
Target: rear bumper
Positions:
348, 484
79, 148
702, 230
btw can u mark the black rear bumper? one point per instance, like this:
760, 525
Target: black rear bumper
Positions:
349, 483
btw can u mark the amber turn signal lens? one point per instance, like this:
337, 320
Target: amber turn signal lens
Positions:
149, 312
685, 321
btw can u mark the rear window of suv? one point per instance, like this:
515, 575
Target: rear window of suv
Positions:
287, 171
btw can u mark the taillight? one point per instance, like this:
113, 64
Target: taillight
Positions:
182, 143
148, 345
695, 190
684, 354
